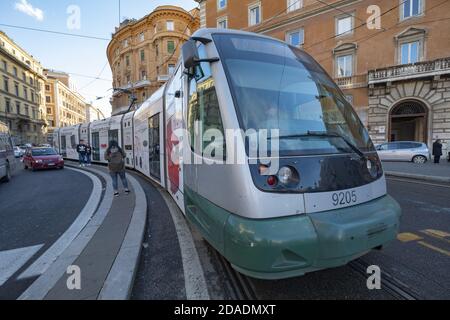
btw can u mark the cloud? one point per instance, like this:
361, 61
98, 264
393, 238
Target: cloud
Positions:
27, 8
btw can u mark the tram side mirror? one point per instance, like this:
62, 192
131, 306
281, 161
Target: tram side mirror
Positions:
190, 54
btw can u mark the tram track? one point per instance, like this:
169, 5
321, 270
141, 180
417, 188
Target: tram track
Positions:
240, 286
389, 283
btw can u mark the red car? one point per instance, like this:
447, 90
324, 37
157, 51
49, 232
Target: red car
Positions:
42, 158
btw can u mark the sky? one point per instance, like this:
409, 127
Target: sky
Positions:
80, 57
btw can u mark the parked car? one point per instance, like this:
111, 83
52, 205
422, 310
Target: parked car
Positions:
409, 151
19, 152
42, 158
6, 153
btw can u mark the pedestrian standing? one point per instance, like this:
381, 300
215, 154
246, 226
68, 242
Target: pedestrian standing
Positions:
81, 149
437, 151
116, 164
88, 154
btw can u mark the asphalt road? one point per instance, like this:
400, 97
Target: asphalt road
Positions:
36, 208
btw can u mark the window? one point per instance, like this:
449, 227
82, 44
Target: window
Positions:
222, 23
15, 71
34, 113
409, 52
171, 69
411, 8
344, 66
6, 84
7, 105
48, 99
125, 43
170, 46
296, 38
27, 110
344, 25
141, 37
293, 5
204, 109
170, 26
17, 107
24, 76
25, 92
127, 61
143, 75
254, 14
16, 87
221, 4
32, 96
5, 65
142, 55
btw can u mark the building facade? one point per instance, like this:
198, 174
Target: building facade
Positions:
390, 58
22, 104
143, 53
65, 106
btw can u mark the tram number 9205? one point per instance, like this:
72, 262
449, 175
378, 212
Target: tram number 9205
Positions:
344, 198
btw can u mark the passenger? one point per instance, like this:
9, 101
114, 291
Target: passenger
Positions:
81, 149
116, 164
437, 151
88, 154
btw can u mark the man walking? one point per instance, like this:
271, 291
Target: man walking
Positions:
88, 154
437, 151
81, 149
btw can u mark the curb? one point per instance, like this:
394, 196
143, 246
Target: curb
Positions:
418, 177
119, 283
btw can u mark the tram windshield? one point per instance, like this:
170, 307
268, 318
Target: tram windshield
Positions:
277, 86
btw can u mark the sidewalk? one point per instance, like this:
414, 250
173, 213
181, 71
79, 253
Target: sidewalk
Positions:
106, 251
428, 171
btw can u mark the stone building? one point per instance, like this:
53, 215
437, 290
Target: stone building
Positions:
143, 53
390, 58
22, 104
65, 106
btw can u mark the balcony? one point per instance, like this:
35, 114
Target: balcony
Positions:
352, 82
410, 71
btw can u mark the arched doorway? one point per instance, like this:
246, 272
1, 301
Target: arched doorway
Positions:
409, 122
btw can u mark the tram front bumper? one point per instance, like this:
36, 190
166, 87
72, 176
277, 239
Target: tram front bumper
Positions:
292, 246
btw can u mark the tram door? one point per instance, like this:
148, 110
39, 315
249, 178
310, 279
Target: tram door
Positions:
154, 149
96, 146
63, 146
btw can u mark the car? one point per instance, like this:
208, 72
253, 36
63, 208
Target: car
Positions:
42, 158
19, 152
6, 154
408, 151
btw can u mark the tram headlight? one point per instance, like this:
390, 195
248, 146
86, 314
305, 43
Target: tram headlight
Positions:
288, 176
372, 167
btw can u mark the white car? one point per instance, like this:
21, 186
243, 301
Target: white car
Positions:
408, 151
18, 152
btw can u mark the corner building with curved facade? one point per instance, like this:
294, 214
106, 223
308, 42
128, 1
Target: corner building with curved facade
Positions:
143, 53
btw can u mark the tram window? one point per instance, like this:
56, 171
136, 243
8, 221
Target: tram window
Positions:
204, 108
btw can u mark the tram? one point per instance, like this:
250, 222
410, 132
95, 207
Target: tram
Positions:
316, 199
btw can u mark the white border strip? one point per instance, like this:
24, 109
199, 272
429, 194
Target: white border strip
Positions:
194, 278
43, 263
119, 283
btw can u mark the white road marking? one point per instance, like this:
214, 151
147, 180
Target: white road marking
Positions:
13, 260
194, 278
44, 261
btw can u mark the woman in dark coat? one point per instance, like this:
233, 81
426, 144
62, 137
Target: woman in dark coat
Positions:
437, 151
116, 164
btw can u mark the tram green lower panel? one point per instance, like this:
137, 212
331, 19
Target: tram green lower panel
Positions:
292, 246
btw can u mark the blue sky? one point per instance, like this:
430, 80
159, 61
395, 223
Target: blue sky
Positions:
98, 18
